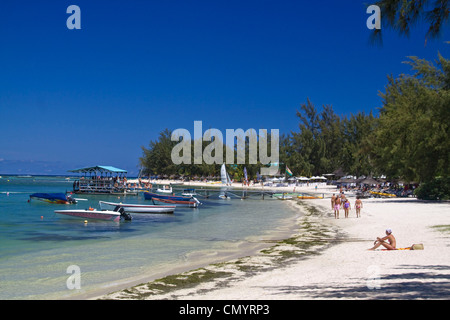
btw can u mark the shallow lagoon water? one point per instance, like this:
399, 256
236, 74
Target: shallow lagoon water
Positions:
37, 246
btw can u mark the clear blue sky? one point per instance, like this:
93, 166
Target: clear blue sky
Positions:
73, 98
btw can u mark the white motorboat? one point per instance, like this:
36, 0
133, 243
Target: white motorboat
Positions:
189, 193
106, 215
165, 189
284, 196
138, 208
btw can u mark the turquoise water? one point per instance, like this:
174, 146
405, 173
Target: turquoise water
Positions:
37, 246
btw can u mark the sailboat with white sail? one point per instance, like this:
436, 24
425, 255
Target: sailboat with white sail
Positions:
226, 181
225, 178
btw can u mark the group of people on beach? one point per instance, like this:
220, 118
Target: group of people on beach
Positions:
388, 242
341, 199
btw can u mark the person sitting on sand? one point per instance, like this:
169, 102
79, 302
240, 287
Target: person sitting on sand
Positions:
358, 206
381, 241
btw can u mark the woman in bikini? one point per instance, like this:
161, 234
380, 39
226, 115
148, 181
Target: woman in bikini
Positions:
358, 206
346, 207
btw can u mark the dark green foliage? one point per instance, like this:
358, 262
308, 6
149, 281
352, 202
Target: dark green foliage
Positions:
326, 142
436, 189
412, 139
402, 15
409, 140
157, 160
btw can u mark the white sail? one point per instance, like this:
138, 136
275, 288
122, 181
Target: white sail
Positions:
223, 174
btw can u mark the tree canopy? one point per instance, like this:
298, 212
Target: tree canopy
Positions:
412, 139
402, 15
409, 139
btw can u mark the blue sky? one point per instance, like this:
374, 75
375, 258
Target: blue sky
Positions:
73, 98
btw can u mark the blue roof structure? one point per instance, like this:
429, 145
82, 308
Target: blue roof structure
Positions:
100, 169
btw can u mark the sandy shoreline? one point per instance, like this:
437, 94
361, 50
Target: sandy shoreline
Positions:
327, 259
197, 259
348, 271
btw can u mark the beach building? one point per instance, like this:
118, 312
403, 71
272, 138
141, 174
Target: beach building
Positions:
100, 180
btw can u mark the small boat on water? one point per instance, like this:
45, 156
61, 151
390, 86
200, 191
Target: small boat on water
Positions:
224, 177
189, 193
59, 198
139, 208
165, 189
178, 200
283, 196
105, 215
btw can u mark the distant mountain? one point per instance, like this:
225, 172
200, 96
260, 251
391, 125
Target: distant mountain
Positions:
38, 167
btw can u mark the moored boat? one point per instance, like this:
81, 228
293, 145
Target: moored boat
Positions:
283, 196
139, 208
189, 193
224, 177
165, 189
59, 198
178, 200
105, 215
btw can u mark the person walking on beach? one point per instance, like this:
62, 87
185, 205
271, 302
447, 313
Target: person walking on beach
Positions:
382, 241
337, 206
333, 199
358, 206
346, 207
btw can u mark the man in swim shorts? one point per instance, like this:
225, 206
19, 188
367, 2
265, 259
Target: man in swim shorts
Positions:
337, 206
382, 241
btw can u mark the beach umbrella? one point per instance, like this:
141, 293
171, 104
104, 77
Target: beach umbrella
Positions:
369, 181
347, 180
339, 173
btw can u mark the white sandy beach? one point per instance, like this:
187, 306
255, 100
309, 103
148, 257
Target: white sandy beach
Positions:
343, 267
347, 270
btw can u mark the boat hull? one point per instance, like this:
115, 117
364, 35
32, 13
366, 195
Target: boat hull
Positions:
91, 214
51, 201
58, 198
383, 194
177, 200
164, 191
141, 209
